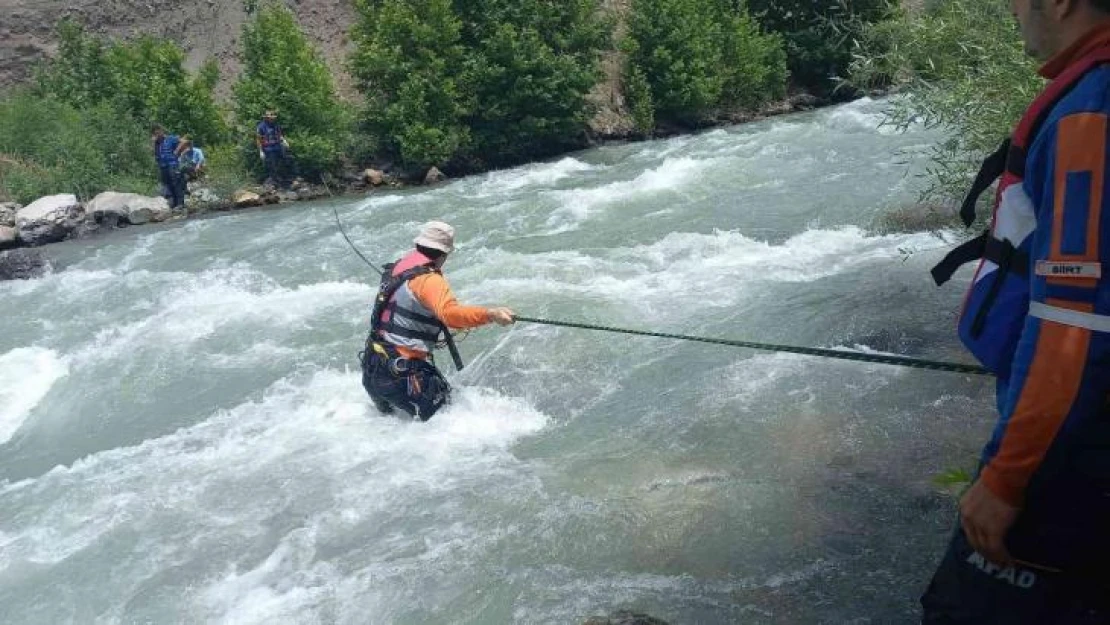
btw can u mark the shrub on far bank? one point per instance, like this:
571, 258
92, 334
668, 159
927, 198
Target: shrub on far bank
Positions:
284, 72
691, 60
48, 146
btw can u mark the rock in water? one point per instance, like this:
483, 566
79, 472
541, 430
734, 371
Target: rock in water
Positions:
433, 176
625, 618
22, 264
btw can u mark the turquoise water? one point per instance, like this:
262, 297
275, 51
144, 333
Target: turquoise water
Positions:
185, 439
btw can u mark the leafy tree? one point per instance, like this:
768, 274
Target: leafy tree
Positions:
699, 57
144, 79
409, 62
961, 66
282, 71
532, 64
819, 35
48, 146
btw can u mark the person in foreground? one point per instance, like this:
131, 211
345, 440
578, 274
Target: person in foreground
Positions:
414, 307
1033, 541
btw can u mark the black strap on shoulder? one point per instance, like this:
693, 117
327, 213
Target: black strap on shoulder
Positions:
992, 168
388, 288
1001, 252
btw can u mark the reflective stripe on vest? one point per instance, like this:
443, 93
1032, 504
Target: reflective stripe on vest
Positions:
409, 323
998, 299
1068, 317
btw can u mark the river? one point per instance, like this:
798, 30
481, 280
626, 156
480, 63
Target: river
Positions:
184, 438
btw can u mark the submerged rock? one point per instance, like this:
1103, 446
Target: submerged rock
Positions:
22, 264
625, 618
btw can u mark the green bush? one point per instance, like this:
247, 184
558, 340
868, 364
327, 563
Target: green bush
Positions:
283, 71
144, 79
819, 36
480, 82
48, 146
532, 62
699, 57
960, 66
408, 61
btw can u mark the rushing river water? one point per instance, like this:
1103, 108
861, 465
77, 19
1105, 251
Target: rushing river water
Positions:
184, 439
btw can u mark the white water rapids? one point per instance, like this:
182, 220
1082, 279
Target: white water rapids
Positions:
184, 439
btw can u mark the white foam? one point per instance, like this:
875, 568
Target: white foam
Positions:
713, 269
221, 479
577, 205
26, 376
537, 175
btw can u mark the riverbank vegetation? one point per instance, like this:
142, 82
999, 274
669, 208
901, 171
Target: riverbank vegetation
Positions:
461, 86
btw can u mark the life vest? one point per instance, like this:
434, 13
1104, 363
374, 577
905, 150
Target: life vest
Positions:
399, 319
164, 151
271, 136
997, 302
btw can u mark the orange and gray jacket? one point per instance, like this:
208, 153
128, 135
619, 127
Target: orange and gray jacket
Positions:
415, 307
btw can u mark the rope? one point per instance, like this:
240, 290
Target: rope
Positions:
901, 361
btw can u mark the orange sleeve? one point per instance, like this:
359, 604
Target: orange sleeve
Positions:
435, 294
1052, 362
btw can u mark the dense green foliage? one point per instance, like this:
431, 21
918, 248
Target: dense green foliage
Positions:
144, 79
819, 35
48, 146
697, 58
477, 82
461, 84
282, 71
961, 66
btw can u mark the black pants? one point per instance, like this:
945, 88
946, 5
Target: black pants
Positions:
413, 386
969, 590
175, 185
279, 166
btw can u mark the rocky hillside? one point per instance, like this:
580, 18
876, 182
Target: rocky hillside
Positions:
211, 28
205, 28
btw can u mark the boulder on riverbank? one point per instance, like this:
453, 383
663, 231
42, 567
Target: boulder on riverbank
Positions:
49, 219
114, 208
9, 237
7, 213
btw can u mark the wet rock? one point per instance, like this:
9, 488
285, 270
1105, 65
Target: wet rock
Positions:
433, 176
270, 196
9, 237
130, 208
625, 618
7, 213
204, 196
288, 196
22, 264
246, 199
49, 219
374, 177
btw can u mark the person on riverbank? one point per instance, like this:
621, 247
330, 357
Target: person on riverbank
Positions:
167, 149
413, 310
273, 149
1033, 539
192, 159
